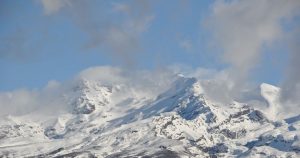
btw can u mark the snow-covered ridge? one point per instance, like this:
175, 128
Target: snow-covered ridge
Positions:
121, 120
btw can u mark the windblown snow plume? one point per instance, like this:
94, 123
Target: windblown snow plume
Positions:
51, 97
173, 111
151, 114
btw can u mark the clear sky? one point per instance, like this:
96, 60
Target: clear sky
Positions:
42, 40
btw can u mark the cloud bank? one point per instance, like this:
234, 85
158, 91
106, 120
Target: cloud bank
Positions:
54, 97
48, 100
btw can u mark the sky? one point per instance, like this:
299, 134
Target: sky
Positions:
46, 40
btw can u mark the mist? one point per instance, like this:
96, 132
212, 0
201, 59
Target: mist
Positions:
54, 98
290, 87
243, 28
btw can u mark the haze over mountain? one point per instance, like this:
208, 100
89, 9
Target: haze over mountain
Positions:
103, 112
148, 78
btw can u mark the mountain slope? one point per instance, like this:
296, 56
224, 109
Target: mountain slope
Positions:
116, 120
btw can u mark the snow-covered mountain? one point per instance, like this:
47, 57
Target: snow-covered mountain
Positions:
119, 120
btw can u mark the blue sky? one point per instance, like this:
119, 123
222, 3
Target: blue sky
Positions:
39, 45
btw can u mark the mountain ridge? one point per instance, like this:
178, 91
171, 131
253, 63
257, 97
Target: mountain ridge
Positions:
117, 121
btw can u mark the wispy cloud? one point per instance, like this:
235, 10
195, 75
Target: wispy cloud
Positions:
242, 28
55, 96
16, 45
114, 26
290, 94
53, 6
186, 44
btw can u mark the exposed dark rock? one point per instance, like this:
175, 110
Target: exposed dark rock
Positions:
292, 119
162, 147
86, 154
239, 114
233, 134
218, 148
86, 109
257, 116
51, 133
159, 154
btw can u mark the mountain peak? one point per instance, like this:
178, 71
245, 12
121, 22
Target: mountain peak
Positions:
111, 120
89, 95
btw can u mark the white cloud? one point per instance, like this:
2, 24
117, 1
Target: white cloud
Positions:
105, 74
142, 81
48, 100
17, 102
53, 98
243, 27
53, 6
